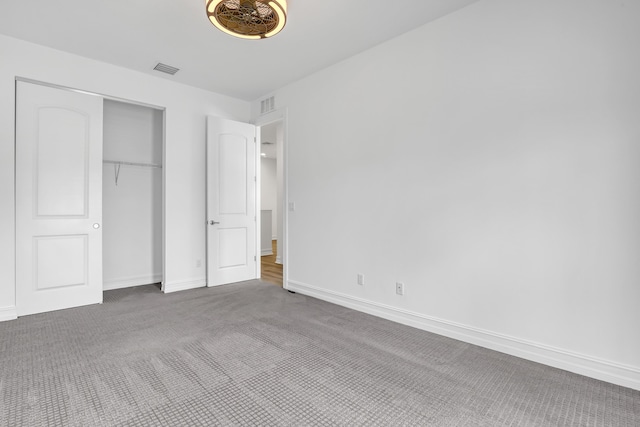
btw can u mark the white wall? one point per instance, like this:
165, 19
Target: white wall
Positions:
186, 109
490, 161
132, 205
268, 192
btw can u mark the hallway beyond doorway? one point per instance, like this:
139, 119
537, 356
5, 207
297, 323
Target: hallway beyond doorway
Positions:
271, 272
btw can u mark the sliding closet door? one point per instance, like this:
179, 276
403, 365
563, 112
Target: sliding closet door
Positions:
58, 199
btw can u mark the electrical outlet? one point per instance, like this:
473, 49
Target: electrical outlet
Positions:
198, 263
399, 288
360, 279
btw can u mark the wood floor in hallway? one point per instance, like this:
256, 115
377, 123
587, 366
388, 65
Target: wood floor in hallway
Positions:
271, 272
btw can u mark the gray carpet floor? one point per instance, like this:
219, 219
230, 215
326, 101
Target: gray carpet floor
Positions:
254, 354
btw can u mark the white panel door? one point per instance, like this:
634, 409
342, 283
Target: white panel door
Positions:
58, 199
231, 202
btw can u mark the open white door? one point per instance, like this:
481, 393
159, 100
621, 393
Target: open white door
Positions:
231, 201
58, 199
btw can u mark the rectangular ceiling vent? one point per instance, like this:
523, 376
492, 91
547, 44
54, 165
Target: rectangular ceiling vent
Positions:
267, 105
164, 68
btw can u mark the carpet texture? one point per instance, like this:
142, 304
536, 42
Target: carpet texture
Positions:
254, 354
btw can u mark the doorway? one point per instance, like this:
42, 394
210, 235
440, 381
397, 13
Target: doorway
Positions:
272, 211
132, 195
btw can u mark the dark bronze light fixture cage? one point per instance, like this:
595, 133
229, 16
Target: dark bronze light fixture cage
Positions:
248, 19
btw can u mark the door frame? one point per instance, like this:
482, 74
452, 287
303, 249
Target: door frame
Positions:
164, 150
278, 115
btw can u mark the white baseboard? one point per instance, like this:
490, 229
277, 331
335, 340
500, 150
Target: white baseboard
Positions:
266, 252
127, 282
170, 287
8, 313
278, 259
626, 376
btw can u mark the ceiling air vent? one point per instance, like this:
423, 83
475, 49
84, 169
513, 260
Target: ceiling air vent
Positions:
267, 105
164, 68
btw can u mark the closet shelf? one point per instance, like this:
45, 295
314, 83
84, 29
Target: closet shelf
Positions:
118, 162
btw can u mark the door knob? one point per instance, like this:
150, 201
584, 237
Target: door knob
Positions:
96, 225
212, 222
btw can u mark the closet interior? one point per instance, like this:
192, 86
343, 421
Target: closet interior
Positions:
132, 195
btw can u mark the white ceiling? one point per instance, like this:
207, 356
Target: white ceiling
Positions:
137, 34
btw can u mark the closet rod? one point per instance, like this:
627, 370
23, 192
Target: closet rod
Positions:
118, 162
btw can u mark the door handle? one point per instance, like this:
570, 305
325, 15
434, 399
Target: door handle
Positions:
212, 222
96, 225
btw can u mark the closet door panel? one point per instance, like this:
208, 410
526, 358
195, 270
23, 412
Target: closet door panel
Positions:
58, 199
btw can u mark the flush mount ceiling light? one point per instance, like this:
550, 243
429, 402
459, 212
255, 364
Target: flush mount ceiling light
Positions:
248, 19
